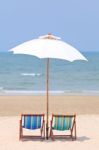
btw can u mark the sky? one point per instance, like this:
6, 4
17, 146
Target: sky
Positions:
75, 21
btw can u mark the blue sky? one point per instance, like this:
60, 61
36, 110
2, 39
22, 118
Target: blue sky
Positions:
75, 21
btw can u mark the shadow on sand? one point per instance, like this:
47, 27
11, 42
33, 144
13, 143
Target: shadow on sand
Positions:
79, 139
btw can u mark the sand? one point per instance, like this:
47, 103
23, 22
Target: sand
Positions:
86, 108
15, 105
87, 136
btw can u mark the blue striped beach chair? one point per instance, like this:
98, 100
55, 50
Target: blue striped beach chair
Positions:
32, 122
63, 123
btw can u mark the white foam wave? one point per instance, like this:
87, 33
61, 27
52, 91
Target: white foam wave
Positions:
24, 92
43, 92
82, 92
31, 74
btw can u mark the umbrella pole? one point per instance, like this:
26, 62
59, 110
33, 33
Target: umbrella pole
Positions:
47, 98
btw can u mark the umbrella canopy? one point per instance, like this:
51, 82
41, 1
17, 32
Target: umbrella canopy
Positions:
49, 46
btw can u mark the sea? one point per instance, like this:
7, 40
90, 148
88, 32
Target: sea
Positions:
26, 75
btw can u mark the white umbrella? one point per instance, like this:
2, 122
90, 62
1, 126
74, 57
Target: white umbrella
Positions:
49, 46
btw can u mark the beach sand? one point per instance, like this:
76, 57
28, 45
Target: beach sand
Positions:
86, 108
15, 105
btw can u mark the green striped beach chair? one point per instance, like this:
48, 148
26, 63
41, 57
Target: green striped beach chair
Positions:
32, 122
63, 123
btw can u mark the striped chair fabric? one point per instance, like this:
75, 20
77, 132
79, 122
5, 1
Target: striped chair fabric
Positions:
62, 123
31, 122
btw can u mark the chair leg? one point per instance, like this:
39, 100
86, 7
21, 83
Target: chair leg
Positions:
50, 132
20, 130
75, 131
44, 131
71, 134
51, 135
41, 132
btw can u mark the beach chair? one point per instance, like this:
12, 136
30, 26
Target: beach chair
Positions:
63, 123
32, 122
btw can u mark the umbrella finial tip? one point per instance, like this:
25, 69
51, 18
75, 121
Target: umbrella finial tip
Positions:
49, 33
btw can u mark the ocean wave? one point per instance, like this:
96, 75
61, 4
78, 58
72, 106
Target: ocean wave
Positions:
25, 92
81, 92
31, 74
43, 92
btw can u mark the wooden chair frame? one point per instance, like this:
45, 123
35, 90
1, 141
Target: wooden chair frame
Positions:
42, 129
72, 130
